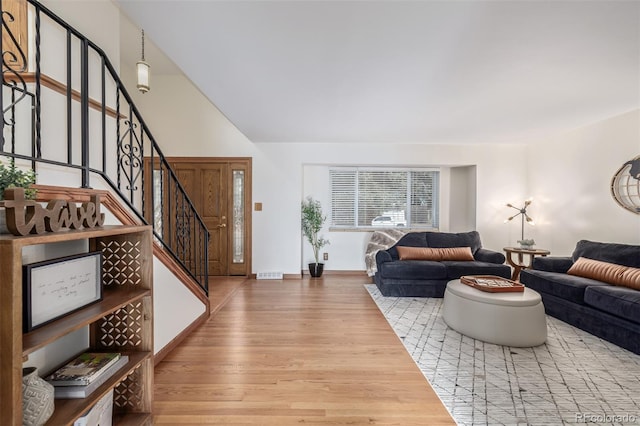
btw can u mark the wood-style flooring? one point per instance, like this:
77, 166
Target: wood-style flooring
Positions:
308, 351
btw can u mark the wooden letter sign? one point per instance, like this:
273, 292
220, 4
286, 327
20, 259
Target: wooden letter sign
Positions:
29, 217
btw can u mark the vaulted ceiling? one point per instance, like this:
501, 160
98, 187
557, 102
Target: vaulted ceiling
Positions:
403, 71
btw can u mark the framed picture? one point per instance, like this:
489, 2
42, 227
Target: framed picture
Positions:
55, 288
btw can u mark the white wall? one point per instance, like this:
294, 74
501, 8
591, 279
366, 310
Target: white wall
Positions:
499, 180
568, 177
185, 123
176, 305
570, 180
98, 20
463, 199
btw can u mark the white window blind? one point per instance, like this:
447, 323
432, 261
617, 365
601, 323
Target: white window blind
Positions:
366, 197
343, 190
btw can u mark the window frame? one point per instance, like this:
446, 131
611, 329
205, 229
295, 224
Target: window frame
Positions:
356, 199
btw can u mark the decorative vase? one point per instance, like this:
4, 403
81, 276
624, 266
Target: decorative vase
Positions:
37, 398
315, 269
526, 243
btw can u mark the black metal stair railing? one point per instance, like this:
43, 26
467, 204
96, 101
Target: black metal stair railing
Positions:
67, 114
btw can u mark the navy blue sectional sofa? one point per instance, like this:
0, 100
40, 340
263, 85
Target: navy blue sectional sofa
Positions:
608, 311
427, 278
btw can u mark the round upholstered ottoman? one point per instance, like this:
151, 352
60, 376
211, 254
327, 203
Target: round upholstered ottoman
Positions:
509, 319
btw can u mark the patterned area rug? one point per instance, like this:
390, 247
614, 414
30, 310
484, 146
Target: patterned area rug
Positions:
574, 378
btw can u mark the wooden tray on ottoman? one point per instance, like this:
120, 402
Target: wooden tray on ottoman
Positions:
491, 283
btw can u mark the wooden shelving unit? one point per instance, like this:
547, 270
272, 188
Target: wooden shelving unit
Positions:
121, 322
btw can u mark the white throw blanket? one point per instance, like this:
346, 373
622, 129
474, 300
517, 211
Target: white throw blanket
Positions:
380, 240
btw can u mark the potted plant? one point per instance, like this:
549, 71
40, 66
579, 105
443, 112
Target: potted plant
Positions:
312, 221
13, 177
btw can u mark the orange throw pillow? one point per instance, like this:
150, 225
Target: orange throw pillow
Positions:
611, 273
437, 254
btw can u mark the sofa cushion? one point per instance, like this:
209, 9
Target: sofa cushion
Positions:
448, 239
428, 253
610, 273
457, 269
552, 263
413, 270
621, 254
619, 301
565, 286
490, 256
410, 288
412, 239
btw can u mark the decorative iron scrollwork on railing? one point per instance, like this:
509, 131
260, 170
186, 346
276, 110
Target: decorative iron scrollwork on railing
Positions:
182, 228
11, 74
129, 157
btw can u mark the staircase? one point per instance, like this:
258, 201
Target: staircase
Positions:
68, 116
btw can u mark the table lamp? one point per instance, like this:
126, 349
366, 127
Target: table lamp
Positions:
522, 212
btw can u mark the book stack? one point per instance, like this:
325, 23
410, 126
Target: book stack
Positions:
85, 373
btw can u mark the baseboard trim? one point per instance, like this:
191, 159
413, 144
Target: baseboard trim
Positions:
339, 272
306, 274
162, 353
284, 277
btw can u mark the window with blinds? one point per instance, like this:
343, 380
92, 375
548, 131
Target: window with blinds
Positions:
367, 197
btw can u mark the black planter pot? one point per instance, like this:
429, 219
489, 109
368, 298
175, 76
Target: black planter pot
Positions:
315, 269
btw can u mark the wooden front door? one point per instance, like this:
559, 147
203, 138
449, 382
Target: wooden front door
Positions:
219, 189
15, 48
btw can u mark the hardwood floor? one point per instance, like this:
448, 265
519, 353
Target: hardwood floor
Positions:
295, 352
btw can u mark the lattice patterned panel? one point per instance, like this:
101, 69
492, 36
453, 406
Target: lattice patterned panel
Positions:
123, 328
121, 262
129, 394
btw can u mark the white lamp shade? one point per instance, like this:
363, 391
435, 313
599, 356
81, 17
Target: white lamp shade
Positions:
143, 76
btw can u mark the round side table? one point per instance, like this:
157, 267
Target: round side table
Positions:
519, 262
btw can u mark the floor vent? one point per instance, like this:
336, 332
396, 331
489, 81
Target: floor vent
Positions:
269, 275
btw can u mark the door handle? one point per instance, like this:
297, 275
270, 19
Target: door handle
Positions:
222, 225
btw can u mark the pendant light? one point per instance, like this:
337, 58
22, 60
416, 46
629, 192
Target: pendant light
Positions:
143, 71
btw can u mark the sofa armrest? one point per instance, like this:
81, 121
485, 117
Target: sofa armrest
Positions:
552, 264
383, 256
489, 256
